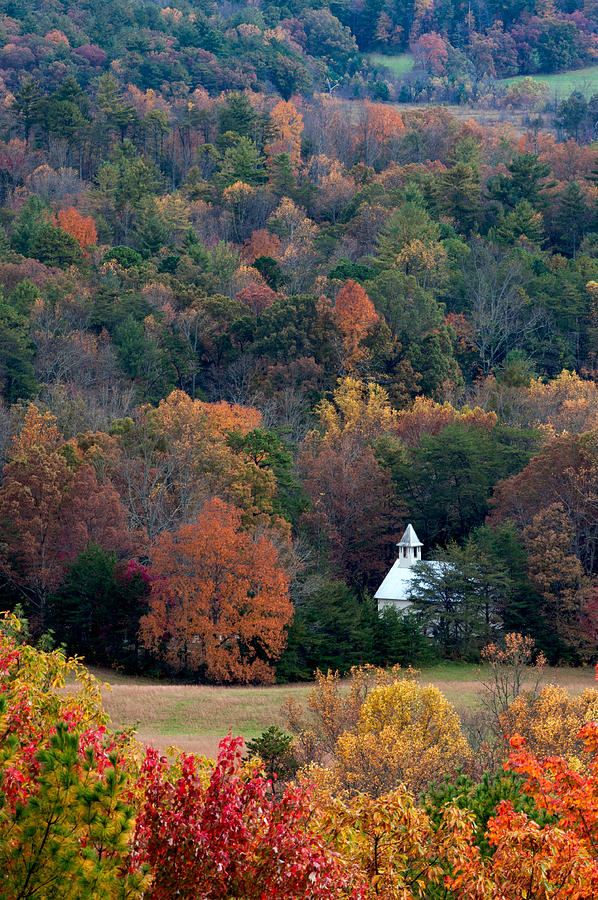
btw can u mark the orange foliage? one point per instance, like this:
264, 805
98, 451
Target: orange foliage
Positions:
179, 412
378, 124
38, 430
56, 37
82, 228
431, 52
50, 512
566, 403
257, 297
220, 600
354, 316
567, 159
535, 861
176, 456
261, 243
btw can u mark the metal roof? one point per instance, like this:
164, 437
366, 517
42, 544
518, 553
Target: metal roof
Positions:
397, 584
410, 539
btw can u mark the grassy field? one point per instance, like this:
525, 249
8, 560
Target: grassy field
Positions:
563, 83
399, 64
195, 717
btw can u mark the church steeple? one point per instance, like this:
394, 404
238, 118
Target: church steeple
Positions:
410, 548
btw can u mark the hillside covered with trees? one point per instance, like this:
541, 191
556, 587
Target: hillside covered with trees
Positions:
258, 311
457, 49
248, 331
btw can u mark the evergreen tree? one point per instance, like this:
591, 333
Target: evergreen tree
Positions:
17, 374
459, 599
572, 218
330, 630
96, 611
526, 181
27, 105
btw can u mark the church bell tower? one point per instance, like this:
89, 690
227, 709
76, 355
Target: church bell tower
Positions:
410, 548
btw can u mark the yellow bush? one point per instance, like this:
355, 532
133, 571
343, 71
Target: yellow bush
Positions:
334, 706
551, 722
407, 733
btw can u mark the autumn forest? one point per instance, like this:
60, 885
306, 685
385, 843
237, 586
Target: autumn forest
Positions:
273, 285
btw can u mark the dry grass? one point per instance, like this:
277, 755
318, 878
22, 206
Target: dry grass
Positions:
196, 717
514, 117
481, 116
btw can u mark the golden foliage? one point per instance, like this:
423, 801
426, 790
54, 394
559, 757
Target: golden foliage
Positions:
39, 430
392, 845
407, 733
287, 126
551, 723
357, 409
384, 730
566, 403
42, 677
205, 464
334, 707
428, 417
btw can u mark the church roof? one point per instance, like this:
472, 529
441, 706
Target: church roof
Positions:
397, 584
410, 539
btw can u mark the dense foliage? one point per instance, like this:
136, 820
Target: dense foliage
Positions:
84, 811
253, 320
289, 49
255, 316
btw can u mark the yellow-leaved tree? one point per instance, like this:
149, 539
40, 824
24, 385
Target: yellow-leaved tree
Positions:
407, 733
551, 722
287, 128
383, 730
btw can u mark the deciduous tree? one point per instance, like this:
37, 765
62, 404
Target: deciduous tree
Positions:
219, 600
82, 228
221, 834
50, 511
355, 317
287, 127
407, 733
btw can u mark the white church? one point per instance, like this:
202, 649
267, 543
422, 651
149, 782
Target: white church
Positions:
396, 588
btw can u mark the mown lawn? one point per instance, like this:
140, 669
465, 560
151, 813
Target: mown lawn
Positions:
399, 64
196, 717
563, 83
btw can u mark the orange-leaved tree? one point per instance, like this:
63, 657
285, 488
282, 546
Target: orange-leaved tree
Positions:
220, 599
426, 416
559, 858
82, 228
355, 317
52, 508
550, 721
